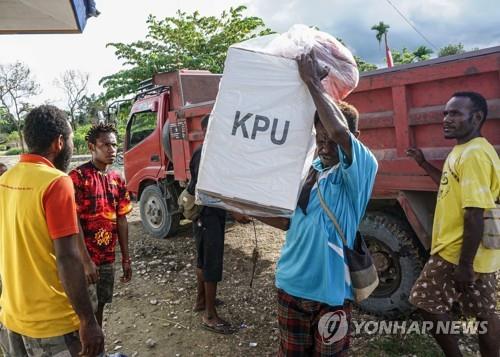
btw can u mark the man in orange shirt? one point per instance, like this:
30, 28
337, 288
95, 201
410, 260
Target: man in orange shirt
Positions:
45, 306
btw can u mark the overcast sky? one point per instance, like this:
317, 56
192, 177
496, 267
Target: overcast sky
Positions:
475, 23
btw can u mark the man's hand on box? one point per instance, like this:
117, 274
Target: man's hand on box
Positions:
310, 70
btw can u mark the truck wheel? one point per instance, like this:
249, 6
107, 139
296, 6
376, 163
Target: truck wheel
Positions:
399, 259
155, 216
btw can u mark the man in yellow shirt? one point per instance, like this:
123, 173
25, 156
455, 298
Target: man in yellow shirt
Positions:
461, 270
45, 306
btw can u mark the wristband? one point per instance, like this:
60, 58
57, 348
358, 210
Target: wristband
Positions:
126, 261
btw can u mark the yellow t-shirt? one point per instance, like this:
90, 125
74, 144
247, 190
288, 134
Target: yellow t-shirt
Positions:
471, 178
37, 206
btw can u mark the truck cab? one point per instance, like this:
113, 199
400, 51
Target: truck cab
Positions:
163, 130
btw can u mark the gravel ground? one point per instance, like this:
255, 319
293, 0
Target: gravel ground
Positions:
152, 315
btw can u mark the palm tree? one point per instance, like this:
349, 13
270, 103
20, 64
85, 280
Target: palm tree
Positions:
382, 30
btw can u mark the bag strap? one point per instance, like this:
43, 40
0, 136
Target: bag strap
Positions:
330, 214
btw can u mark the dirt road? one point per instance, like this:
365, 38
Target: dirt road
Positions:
157, 304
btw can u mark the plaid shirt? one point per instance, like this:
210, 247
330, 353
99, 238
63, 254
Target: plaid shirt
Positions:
101, 197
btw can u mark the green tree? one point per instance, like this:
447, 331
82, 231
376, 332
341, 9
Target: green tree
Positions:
6, 123
184, 41
422, 53
16, 86
93, 108
406, 56
402, 57
451, 49
364, 66
79, 139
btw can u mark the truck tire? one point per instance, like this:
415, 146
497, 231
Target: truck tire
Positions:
155, 216
399, 259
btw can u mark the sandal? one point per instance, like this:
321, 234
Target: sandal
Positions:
221, 328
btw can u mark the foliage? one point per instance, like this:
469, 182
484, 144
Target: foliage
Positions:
422, 53
79, 139
16, 86
406, 56
93, 109
12, 137
402, 57
451, 49
6, 124
184, 41
364, 66
13, 151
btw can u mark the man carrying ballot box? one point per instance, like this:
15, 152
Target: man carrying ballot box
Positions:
311, 274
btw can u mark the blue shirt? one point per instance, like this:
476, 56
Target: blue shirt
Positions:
312, 264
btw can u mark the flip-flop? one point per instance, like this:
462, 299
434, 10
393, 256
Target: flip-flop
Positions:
218, 328
218, 302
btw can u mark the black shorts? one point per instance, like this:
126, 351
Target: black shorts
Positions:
209, 236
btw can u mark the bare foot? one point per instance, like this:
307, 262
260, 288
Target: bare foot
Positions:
215, 320
200, 305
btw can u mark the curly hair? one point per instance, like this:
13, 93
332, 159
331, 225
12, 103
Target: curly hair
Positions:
98, 129
479, 104
44, 124
350, 113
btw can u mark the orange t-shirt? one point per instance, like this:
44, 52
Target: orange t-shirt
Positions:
37, 206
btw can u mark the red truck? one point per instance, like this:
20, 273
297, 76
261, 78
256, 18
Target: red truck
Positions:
400, 107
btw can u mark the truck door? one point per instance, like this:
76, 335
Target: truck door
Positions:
142, 148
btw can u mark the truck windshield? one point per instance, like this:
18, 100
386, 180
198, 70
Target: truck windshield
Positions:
141, 126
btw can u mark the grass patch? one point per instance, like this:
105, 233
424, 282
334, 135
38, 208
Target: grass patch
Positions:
409, 345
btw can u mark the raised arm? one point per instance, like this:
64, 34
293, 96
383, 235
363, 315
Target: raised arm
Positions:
330, 115
417, 155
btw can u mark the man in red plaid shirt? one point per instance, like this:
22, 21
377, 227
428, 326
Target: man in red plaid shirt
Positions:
103, 203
